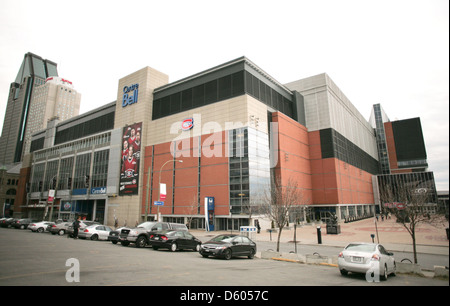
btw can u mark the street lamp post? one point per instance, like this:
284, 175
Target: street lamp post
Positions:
159, 181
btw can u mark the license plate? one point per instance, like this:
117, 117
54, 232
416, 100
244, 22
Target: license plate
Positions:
156, 238
357, 259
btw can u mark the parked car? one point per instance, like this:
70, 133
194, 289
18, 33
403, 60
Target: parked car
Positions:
7, 222
95, 232
363, 257
174, 240
114, 235
83, 225
60, 228
23, 223
140, 235
40, 227
227, 246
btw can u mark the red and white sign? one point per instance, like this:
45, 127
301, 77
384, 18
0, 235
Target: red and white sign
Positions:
51, 196
162, 192
187, 124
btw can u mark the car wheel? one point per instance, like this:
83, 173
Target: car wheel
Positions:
61, 232
252, 254
227, 254
125, 243
204, 255
155, 248
385, 273
40, 230
114, 242
343, 272
22, 227
140, 242
173, 247
198, 247
94, 237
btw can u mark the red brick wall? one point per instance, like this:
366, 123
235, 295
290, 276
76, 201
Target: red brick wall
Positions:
294, 155
213, 175
335, 181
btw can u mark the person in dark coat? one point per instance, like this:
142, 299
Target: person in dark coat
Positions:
76, 226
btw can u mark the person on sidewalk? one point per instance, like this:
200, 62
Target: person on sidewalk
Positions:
258, 227
76, 226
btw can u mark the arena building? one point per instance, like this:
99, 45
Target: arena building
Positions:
205, 147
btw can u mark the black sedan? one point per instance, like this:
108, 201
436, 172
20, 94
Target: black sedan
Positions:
227, 246
174, 240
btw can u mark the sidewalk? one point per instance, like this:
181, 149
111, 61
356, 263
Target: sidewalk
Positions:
429, 239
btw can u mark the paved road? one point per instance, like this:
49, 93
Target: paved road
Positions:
28, 258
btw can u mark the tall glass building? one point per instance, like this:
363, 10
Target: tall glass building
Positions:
32, 73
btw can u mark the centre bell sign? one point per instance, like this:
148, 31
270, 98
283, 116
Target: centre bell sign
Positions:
130, 95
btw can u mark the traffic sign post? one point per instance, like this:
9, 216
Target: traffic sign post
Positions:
158, 204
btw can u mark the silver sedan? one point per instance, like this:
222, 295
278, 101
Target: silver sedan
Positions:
369, 258
95, 232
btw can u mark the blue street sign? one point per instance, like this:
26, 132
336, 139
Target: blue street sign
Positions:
158, 203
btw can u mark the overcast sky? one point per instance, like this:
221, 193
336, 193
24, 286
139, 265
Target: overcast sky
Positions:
393, 52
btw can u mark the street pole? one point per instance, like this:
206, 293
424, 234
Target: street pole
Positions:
147, 199
295, 236
376, 228
159, 181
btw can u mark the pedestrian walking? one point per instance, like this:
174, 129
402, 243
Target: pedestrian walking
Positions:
258, 227
76, 226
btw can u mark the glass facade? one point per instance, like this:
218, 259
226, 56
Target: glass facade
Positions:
249, 164
222, 88
380, 117
82, 167
100, 169
416, 182
333, 144
65, 173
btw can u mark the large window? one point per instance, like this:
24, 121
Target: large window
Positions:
82, 168
100, 169
249, 164
38, 175
65, 173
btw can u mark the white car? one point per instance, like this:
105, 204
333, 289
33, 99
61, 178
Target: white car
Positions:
369, 258
40, 227
95, 232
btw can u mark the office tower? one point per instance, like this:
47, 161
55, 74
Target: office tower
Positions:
32, 73
56, 99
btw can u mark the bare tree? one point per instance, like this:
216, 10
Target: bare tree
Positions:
278, 201
410, 205
192, 210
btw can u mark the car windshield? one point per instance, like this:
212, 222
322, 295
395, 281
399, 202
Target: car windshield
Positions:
369, 248
223, 238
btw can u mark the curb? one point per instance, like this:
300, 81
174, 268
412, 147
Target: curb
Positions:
402, 268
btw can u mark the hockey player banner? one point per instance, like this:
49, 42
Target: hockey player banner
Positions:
131, 153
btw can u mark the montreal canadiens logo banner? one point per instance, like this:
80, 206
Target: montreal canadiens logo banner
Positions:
131, 155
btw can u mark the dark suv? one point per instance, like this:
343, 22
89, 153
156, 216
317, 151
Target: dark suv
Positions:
140, 235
